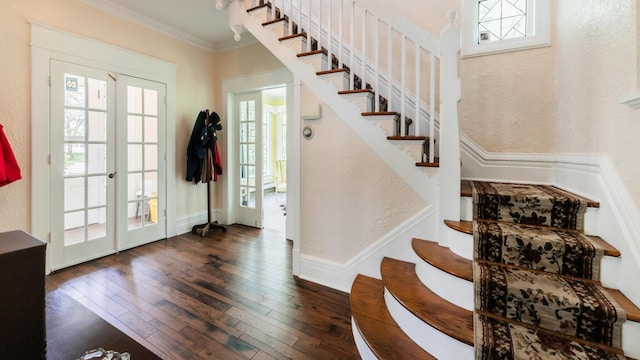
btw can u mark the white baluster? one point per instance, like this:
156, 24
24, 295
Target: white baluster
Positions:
290, 17
351, 47
389, 65
300, 16
432, 109
320, 29
309, 25
377, 65
403, 83
341, 34
364, 48
329, 34
416, 122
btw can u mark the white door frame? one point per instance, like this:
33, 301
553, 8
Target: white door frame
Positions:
256, 82
48, 43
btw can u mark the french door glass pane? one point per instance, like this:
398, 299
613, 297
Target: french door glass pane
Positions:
97, 126
143, 157
85, 153
134, 128
97, 158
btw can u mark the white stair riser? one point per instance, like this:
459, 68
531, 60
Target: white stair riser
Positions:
339, 80
280, 29
387, 123
466, 208
261, 14
630, 336
451, 288
362, 100
318, 61
298, 44
428, 338
460, 243
414, 147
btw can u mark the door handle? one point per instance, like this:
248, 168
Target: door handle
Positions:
112, 175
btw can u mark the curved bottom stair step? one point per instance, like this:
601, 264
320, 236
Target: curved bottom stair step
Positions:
401, 281
376, 326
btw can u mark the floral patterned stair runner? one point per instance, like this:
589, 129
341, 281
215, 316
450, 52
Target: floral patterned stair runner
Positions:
539, 248
527, 204
500, 339
535, 277
571, 307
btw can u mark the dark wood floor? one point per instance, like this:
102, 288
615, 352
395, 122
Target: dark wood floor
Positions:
225, 296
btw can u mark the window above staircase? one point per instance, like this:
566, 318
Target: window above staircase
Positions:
493, 26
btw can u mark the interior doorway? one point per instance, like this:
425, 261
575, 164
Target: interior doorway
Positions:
274, 150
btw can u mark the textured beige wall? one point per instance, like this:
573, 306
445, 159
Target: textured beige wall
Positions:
596, 66
349, 197
195, 74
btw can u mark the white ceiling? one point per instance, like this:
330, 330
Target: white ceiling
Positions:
194, 21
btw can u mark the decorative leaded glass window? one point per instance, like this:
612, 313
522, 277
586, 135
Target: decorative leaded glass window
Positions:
490, 26
502, 19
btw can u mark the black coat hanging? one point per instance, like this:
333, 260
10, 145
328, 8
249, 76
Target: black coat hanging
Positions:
203, 162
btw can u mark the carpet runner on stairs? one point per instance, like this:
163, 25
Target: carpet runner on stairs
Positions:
536, 277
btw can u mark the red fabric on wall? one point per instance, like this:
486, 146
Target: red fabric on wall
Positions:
9, 169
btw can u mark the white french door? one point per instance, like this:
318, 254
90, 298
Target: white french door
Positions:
141, 199
107, 163
82, 163
248, 187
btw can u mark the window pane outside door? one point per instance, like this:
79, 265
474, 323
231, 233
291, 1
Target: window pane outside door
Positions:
85, 158
142, 156
247, 154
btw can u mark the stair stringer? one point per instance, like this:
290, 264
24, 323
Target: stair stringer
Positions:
424, 182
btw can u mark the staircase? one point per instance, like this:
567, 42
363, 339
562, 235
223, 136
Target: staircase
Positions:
425, 309
400, 100
428, 309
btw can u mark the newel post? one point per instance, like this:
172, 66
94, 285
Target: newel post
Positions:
450, 167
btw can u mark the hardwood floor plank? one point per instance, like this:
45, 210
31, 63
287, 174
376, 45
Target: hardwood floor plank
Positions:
225, 296
212, 349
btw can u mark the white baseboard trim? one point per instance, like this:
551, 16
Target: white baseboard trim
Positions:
396, 244
186, 223
589, 175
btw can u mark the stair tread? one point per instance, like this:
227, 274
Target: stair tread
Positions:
332, 71
443, 258
609, 249
311, 53
633, 312
407, 137
381, 113
274, 21
288, 37
400, 279
379, 330
590, 203
463, 226
355, 91
265, 5
465, 188
428, 164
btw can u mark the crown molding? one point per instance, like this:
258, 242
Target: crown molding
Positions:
137, 18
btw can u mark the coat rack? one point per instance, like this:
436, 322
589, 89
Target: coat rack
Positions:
205, 166
204, 229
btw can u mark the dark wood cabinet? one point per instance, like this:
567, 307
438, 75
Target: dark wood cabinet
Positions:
22, 296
